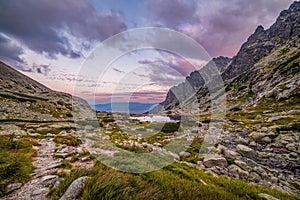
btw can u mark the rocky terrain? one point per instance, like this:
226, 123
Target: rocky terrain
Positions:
44, 154
261, 131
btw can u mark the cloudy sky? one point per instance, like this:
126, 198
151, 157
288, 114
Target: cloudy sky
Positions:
51, 40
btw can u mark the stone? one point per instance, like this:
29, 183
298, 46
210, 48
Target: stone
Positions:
48, 180
252, 144
266, 139
242, 165
266, 196
258, 170
74, 189
245, 151
254, 177
257, 136
200, 165
14, 186
184, 154
237, 172
42, 191
241, 140
214, 160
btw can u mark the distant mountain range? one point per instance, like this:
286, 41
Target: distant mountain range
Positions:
124, 107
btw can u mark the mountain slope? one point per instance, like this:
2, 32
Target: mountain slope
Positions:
257, 58
24, 99
261, 131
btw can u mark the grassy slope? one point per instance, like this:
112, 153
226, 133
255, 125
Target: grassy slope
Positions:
15, 161
177, 181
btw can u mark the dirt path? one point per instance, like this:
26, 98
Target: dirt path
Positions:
45, 165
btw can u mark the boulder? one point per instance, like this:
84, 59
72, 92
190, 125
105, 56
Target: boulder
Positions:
14, 186
184, 154
245, 151
237, 172
48, 180
242, 165
266, 196
257, 136
214, 160
74, 189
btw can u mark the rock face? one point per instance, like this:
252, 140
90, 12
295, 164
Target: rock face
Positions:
262, 42
192, 83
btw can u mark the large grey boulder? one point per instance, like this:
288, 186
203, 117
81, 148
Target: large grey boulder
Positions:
266, 196
237, 172
245, 151
212, 160
74, 189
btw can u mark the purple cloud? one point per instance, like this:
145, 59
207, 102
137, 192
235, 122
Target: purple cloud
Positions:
43, 26
9, 51
220, 26
172, 13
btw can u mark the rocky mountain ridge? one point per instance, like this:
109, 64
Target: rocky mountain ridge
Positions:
285, 32
261, 133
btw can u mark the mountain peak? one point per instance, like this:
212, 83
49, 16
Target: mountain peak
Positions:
259, 29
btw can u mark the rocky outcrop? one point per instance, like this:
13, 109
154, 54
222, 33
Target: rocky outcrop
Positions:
192, 83
262, 42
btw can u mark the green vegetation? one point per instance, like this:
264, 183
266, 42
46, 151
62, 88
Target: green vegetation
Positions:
66, 164
293, 127
68, 140
176, 181
194, 150
15, 161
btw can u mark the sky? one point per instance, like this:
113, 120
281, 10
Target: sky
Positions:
51, 41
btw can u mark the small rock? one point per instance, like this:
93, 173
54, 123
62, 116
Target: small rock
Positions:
13, 187
42, 191
257, 136
266, 196
242, 165
245, 151
266, 139
48, 180
254, 177
241, 140
184, 154
74, 189
157, 144
237, 172
214, 160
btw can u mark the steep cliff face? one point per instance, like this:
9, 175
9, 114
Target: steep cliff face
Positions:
192, 83
253, 63
262, 42
24, 99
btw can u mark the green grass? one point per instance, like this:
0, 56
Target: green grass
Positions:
68, 140
176, 181
194, 150
15, 161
